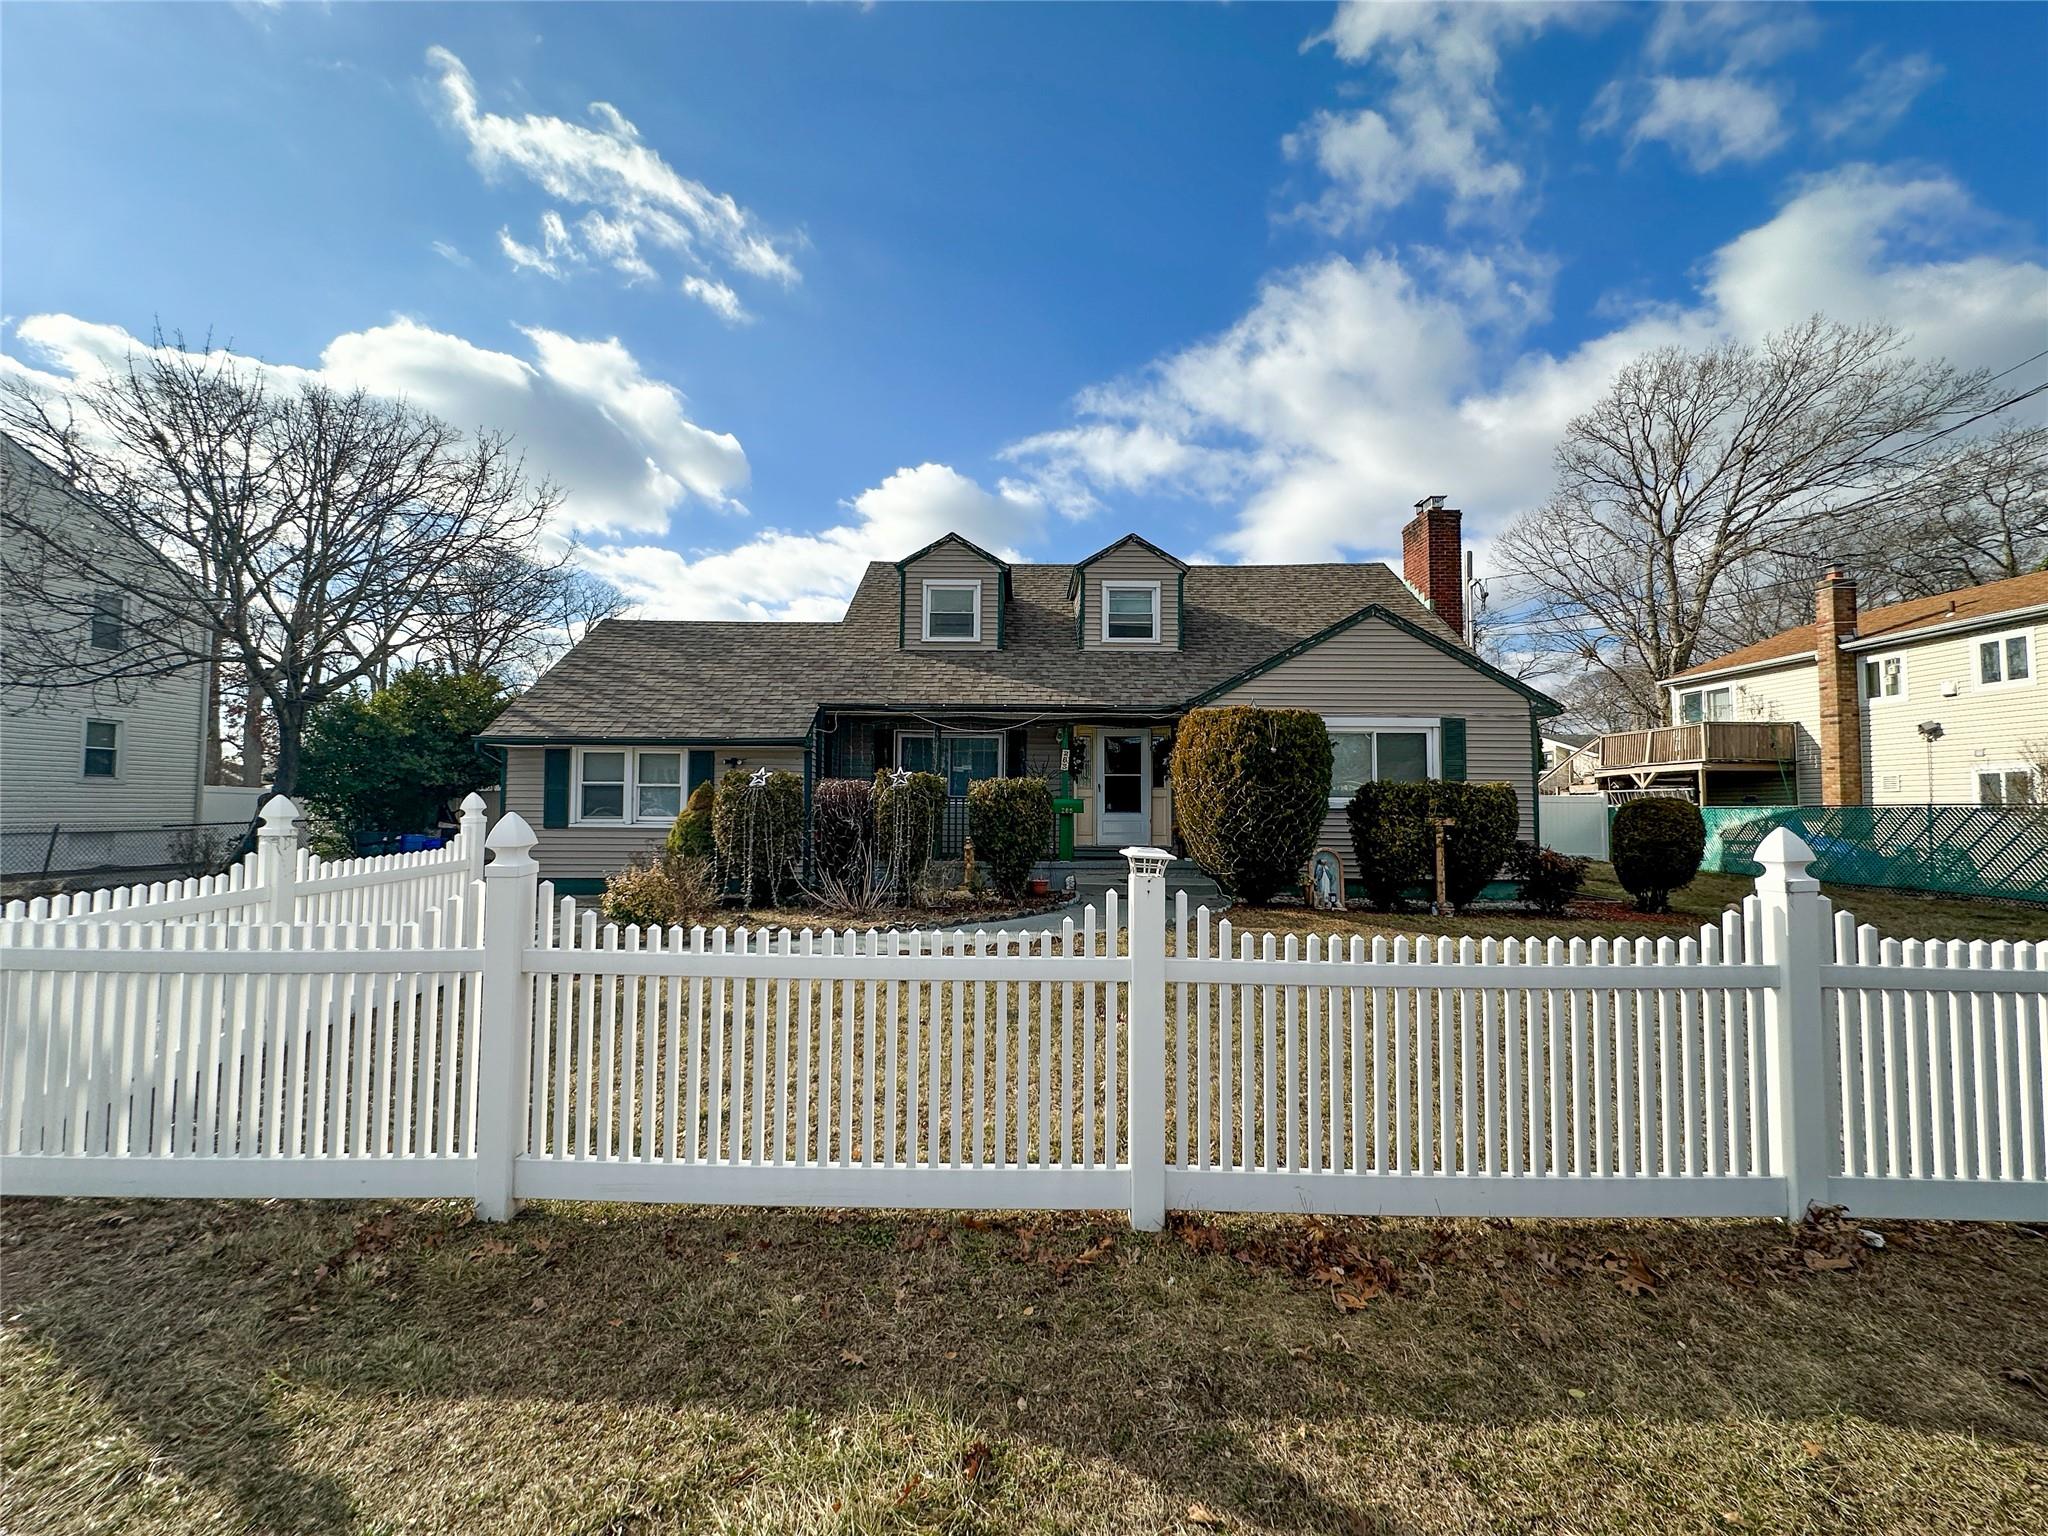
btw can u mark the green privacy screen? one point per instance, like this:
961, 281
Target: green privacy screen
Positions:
1961, 850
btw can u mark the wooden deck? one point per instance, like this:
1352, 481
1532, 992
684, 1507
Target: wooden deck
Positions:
1709, 743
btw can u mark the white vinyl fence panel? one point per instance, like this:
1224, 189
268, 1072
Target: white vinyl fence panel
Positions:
1575, 824
506, 1046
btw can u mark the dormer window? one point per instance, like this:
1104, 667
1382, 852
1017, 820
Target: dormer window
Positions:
1130, 612
952, 610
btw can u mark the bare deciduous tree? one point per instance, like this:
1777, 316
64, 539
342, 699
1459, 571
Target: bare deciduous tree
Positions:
299, 536
511, 613
1697, 468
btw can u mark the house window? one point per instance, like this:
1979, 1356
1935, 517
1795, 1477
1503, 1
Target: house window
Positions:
2005, 786
2005, 659
952, 610
1130, 611
960, 760
109, 622
102, 749
601, 787
1699, 704
1384, 751
1884, 677
658, 786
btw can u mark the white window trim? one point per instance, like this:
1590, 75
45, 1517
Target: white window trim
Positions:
925, 606
1680, 695
1430, 725
1131, 586
1977, 770
1977, 659
120, 752
1002, 748
631, 803
1864, 663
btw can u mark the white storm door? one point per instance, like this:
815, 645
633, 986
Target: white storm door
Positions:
1123, 788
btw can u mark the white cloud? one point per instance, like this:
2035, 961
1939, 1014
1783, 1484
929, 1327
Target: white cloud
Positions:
1436, 125
1889, 89
718, 298
1350, 388
584, 413
1729, 35
636, 199
555, 251
1711, 119
450, 253
785, 575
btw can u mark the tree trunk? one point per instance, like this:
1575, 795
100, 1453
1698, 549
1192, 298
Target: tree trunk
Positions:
213, 743
252, 736
291, 731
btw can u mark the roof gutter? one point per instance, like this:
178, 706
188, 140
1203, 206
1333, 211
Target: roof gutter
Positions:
643, 740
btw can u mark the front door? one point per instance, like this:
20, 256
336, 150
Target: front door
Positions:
1123, 788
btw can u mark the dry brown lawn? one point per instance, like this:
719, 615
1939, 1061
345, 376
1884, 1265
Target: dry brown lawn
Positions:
283, 1367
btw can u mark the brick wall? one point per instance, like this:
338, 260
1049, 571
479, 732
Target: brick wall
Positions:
1431, 553
1841, 719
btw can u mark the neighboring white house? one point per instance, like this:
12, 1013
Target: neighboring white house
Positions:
1937, 700
100, 760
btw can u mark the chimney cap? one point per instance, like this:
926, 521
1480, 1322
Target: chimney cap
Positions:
1431, 503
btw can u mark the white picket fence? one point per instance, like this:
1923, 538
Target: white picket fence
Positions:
1780, 1057
280, 883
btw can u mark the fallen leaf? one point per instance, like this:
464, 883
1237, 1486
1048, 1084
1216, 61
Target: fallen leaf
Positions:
908, 1492
1201, 1514
851, 1360
540, 1304
978, 1463
1818, 1260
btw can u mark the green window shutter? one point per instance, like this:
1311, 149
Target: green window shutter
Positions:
703, 764
1453, 748
554, 801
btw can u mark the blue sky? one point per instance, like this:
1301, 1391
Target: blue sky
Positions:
774, 290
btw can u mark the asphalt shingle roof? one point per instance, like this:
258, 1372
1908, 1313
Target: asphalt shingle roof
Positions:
651, 679
1897, 619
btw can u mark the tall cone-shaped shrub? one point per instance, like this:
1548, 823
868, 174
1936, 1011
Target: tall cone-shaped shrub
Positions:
1251, 789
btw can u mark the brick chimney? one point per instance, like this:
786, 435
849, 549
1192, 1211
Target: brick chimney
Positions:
1841, 718
1430, 559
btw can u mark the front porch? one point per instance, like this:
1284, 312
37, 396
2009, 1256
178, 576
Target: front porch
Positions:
1107, 772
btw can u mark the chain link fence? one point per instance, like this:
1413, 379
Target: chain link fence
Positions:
162, 852
1959, 850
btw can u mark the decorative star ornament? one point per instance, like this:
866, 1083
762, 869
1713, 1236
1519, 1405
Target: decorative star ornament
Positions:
759, 778
899, 777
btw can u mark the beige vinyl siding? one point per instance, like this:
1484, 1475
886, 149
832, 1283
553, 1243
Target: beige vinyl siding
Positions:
592, 852
1374, 669
1131, 563
1982, 727
950, 563
1791, 694
157, 766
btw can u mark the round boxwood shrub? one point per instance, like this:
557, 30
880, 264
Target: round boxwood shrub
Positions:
1656, 847
1010, 821
1251, 789
908, 811
843, 831
757, 821
1393, 843
689, 835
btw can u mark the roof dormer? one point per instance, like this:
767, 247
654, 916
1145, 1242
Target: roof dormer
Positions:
952, 596
1128, 596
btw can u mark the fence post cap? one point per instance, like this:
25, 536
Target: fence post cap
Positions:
472, 803
1147, 861
1783, 855
278, 814
510, 839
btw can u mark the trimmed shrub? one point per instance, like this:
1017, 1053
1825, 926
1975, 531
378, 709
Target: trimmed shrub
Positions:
1394, 845
659, 891
1656, 847
759, 829
1251, 789
689, 835
909, 808
1547, 880
842, 831
1010, 821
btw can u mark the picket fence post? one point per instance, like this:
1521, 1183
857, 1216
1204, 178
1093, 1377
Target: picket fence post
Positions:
1803, 1113
470, 835
1145, 1047
277, 860
509, 892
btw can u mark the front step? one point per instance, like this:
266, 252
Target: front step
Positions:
1093, 878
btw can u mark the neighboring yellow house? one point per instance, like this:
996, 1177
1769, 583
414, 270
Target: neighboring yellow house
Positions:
1937, 700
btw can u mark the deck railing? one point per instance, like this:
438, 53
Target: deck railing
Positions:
1704, 741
